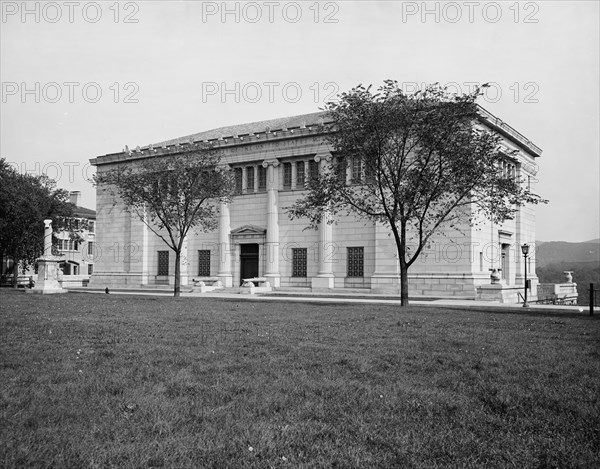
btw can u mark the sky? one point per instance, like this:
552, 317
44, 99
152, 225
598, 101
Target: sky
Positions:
83, 79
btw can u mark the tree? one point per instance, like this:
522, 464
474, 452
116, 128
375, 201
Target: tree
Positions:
172, 194
25, 201
418, 162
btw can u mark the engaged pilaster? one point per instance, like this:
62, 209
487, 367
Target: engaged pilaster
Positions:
272, 237
325, 278
224, 273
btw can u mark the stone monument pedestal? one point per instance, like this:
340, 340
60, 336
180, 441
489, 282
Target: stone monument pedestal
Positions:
48, 266
47, 282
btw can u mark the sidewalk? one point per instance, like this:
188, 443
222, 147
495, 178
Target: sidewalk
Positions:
356, 298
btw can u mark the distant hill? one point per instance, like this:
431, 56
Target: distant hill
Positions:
554, 257
553, 252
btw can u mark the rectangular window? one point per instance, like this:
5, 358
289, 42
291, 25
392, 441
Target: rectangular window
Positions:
369, 168
299, 262
313, 170
287, 175
356, 262
65, 245
262, 178
340, 169
238, 180
90, 248
356, 169
481, 261
163, 262
91, 226
300, 174
204, 263
75, 245
90, 269
250, 178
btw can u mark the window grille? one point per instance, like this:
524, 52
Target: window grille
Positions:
299, 256
163, 262
356, 262
204, 262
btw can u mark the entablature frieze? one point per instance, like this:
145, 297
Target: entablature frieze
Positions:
271, 141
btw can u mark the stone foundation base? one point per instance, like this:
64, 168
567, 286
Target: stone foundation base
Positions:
503, 293
322, 283
207, 288
226, 280
253, 290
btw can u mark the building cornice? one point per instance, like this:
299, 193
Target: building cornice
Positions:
269, 135
508, 132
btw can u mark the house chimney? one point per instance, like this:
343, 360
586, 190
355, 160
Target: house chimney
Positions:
74, 196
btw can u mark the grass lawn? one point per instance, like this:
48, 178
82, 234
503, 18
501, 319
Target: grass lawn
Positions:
104, 381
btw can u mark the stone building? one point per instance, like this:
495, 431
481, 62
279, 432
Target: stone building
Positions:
77, 251
78, 264
272, 161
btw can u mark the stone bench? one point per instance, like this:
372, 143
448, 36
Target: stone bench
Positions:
206, 284
249, 285
260, 280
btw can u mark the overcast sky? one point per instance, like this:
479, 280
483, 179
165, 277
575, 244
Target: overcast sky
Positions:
82, 79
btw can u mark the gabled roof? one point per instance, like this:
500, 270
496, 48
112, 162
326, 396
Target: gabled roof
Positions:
291, 122
83, 212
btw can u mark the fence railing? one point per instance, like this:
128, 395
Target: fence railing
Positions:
592, 293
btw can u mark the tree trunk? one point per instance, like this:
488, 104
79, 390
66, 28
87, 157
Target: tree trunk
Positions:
15, 272
403, 284
177, 291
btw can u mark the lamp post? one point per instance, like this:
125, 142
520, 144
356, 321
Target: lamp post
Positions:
525, 251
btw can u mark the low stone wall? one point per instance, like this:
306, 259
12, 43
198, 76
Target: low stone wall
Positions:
67, 281
558, 292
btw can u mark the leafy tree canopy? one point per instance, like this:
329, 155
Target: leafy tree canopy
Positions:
172, 194
25, 202
416, 162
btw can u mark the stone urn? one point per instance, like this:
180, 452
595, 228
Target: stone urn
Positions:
495, 276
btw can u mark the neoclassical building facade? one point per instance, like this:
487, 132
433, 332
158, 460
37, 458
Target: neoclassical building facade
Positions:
272, 162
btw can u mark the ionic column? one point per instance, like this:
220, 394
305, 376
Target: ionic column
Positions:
224, 273
183, 263
272, 238
145, 250
325, 277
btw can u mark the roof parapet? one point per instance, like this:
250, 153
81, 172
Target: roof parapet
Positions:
509, 131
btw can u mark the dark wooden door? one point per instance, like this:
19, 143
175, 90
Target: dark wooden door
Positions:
248, 261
